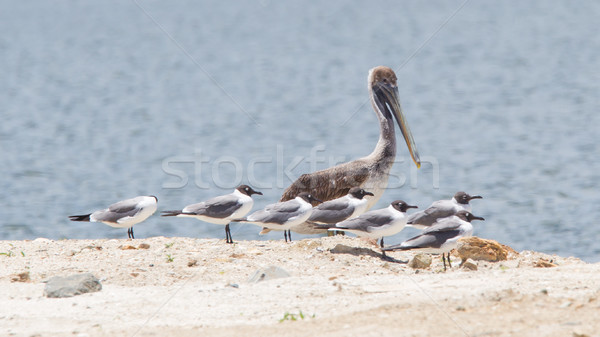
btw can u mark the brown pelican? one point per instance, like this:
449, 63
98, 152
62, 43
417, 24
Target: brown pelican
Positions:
371, 172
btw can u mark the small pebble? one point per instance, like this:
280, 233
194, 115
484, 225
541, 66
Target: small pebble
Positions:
566, 304
420, 261
468, 264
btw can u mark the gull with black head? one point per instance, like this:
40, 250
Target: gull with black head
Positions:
441, 209
441, 237
123, 214
377, 223
220, 210
284, 215
337, 210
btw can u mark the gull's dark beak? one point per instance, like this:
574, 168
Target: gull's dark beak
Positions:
477, 218
255, 192
475, 197
389, 103
409, 206
369, 193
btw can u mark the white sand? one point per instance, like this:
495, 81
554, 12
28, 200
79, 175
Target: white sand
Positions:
345, 294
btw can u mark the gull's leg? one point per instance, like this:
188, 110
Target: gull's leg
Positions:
228, 238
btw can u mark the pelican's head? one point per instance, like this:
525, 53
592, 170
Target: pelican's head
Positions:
384, 94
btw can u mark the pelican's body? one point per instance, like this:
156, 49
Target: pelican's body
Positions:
371, 172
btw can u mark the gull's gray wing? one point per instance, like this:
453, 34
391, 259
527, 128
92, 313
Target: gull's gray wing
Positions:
444, 225
428, 240
367, 221
332, 211
119, 210
277, 213
439, 209
218, 207
290, 206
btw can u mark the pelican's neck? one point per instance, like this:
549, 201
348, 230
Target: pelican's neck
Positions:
385, 150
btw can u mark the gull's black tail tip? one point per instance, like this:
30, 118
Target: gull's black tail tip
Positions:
85, 217
171, 213
321, 226
396, 247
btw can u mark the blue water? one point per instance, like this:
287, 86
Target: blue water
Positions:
98, 103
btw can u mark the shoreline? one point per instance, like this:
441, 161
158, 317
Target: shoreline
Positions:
338, 286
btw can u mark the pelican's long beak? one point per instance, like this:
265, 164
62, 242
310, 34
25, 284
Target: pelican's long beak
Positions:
388, 96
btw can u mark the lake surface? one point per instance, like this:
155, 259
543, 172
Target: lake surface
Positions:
102, 101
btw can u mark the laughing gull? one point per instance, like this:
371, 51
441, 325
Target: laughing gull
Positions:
220, 210
441, 237
333, 211
284, 215
123, 214
441, 209
377, 223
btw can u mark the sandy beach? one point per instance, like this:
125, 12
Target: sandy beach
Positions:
338, 286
